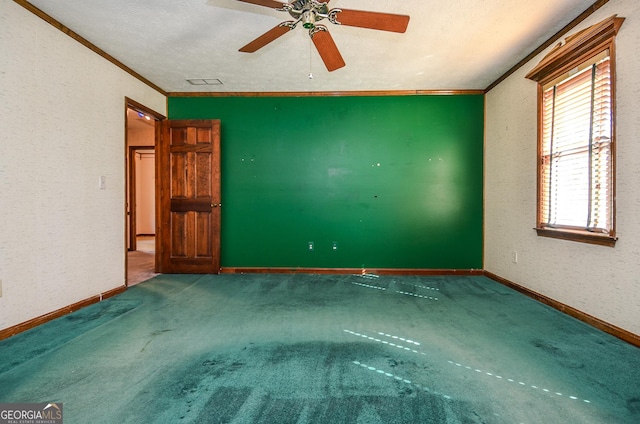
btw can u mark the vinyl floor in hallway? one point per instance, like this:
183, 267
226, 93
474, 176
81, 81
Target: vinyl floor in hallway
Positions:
323, 349
141, 262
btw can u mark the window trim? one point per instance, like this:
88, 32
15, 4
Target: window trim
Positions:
574, 51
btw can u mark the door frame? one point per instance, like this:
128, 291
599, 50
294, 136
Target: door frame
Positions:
139, 107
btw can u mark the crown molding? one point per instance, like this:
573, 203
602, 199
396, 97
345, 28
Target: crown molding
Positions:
379, 93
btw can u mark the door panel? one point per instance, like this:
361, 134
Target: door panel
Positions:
189, 181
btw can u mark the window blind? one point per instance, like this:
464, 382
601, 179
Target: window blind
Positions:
576, 157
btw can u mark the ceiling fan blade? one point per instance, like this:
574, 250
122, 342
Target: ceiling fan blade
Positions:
266, 38
328, 50
267, 3
372, 20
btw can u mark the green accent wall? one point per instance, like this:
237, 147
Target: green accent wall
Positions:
393, 181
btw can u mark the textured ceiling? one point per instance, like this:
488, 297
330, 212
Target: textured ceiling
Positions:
449, 44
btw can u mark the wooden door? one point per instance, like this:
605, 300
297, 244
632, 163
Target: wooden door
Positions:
188, 162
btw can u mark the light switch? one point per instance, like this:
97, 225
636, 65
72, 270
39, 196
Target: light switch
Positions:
102, 182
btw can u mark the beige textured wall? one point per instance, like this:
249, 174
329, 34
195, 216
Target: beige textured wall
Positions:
601, 281
62, 239
144, 136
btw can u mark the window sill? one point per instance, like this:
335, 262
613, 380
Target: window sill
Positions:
579, 236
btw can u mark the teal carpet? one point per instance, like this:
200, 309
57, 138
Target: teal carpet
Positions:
323, 349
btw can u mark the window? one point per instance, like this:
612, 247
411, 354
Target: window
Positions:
576, 150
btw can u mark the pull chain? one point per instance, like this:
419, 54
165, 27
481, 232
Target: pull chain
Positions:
310, 73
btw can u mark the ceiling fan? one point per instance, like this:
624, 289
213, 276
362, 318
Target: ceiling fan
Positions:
309, 12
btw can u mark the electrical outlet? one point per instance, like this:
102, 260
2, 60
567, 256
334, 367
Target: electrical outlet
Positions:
334, 246
310, 244
514, 257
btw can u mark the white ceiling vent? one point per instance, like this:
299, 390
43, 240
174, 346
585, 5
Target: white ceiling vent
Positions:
204, 81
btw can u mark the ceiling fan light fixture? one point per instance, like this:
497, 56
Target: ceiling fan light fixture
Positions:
309, 19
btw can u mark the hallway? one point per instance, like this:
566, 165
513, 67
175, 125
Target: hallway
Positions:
140, 263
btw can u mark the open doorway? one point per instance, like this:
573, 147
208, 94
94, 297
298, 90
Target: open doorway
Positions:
141, 187
140, 140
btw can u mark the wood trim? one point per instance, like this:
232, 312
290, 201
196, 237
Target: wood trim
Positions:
576, 49
45, 17
378, 271
539, 152
158, 187
326, 93
139, 107
131, 202
614, 138
27, 325
618, 332
580, 236
584, 15
484, 178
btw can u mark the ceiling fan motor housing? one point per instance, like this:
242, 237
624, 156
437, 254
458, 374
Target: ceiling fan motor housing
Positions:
308, 11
